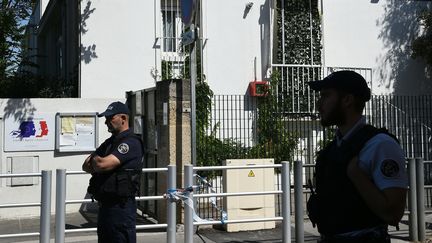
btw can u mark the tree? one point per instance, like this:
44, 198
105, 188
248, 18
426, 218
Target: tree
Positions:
14, 16
422, 46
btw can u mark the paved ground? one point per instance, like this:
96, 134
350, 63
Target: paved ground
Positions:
205, 234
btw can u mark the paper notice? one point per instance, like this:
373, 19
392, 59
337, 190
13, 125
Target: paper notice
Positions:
67, 125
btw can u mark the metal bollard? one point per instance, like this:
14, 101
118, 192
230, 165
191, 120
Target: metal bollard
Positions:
188, 208
171, 206
286, 194
60, 206
412, 202
420, 199
298, 201
45, 218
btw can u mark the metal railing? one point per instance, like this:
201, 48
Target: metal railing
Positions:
190, 210
61, 203
44, 204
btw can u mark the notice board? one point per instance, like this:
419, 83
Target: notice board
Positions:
76, 132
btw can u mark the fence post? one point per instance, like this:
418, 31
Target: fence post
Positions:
298, 201
171, 206
45, 218
286, 194
60, 205
189, 206
420, 199
412, 202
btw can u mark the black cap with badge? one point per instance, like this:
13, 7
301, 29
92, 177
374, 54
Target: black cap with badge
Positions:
346, 80
114, 109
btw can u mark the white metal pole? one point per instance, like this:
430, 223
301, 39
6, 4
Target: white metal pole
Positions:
298, 201
45, 214
412, 202
286, 194
60, 205
420, 199
171, 206
188, 207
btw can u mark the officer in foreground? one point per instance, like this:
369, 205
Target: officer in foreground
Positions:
115, 167
360, 177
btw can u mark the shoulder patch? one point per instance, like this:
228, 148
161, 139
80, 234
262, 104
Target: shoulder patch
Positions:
390, 168
123, 148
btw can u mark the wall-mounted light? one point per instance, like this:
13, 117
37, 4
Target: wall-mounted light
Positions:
247, 9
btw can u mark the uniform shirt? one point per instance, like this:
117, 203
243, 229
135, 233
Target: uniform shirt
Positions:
381, 158
129, 151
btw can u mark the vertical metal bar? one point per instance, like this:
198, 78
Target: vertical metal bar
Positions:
60, 205
420, 199
45, 219
412, 203
188, 209
286, 194
298, 201
171, 206
283, 31
193, 76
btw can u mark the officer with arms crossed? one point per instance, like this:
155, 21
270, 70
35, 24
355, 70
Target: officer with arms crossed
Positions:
360, 177
115, 167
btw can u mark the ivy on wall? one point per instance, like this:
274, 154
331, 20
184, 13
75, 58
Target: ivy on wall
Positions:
298, 25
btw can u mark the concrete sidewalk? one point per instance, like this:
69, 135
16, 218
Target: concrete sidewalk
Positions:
205, 233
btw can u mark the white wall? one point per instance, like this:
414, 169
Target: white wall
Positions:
48, 160
376, 34
120, 35
234, 40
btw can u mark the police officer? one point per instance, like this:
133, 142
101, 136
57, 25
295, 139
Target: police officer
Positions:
115, 167
360, 177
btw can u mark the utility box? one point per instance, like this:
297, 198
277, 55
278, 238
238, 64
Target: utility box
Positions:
249, 207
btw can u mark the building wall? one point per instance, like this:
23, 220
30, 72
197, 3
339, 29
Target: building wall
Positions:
117, 47
76, 185
376, 34
236, 37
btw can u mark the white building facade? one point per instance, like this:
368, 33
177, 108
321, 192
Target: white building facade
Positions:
110, 47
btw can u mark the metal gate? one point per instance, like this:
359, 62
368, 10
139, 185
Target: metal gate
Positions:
142, 106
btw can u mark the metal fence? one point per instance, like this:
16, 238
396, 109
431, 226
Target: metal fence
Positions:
236, 132
237, 123
44, 204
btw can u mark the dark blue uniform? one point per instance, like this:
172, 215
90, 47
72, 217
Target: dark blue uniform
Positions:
117, 216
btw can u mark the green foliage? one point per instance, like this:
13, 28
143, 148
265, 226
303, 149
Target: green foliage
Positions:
422, 46
299, 31
14, 15
167, 70
275, 140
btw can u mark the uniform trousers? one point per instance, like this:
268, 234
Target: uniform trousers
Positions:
117, 221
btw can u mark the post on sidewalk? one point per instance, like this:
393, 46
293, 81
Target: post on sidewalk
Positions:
286, 195
412, 202
45, 213
60, 210
171, 206
420, 199
298, 201
188, 205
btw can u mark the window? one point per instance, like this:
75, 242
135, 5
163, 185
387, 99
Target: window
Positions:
169, 30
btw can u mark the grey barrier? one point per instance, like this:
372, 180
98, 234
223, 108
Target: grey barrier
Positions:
61, 203
45, 205
416, 206
189, 207
420, 199
412, 201
298, 201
